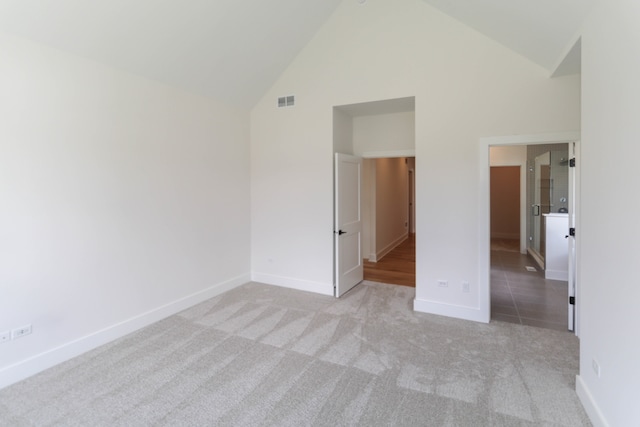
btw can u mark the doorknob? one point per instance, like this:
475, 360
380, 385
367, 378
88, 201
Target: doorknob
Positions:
340, 232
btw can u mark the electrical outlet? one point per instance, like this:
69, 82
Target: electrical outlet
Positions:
5, 336
596, 367
443, 284
465, 287
20, 332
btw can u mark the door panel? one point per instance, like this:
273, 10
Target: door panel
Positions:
348, 223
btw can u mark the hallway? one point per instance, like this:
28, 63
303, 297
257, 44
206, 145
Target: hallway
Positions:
398, 267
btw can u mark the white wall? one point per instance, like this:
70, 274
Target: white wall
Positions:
342, 132
608, 234
375, 135
368, 205
122, 201
465, 85
392, 204
384, 205
509, 155
384, 132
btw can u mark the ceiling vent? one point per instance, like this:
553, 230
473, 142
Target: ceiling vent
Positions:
286, 101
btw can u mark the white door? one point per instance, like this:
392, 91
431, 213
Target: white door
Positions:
349, 270
573, 193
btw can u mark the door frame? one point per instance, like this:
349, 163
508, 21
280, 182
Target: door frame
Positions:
574, 190
484, 225
411, 223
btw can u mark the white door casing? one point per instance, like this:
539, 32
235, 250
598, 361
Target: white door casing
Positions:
349, 269
484, 274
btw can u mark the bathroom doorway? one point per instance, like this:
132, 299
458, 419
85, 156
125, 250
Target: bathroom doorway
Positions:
520, 289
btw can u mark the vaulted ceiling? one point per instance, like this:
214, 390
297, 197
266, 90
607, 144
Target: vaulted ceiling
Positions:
234, 50
544, 31
231, 50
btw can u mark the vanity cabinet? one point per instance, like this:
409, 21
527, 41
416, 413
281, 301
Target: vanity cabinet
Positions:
556, 261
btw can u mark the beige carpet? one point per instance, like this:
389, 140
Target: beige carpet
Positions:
262, 355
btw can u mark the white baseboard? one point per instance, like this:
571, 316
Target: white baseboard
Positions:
590, 406
292, 283
391, 246
449, 310
556, 275
40, 362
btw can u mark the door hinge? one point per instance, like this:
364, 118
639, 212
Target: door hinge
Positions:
572, 162
572, 232
572, 300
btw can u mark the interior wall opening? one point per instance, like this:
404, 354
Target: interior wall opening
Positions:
388, 211
382, 133
529, 259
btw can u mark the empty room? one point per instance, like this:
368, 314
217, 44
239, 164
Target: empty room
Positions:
181, 212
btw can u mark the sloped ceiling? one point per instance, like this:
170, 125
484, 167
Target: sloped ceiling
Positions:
231, 50
544, 31
234, 50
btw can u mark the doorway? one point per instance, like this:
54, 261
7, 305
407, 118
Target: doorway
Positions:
382, 130
521, 291
388, 210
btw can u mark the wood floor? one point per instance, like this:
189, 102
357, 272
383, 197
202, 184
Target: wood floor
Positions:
398, 267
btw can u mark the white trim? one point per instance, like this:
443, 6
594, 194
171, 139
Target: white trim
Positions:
292, 283
388, 154
590, 406
533, 139
556, 275
38, 363
391, 246
449, 310
484, 230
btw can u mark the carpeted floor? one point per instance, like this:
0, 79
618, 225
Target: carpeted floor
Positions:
263, 355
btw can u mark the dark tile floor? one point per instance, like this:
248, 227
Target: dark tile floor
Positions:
520, 296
